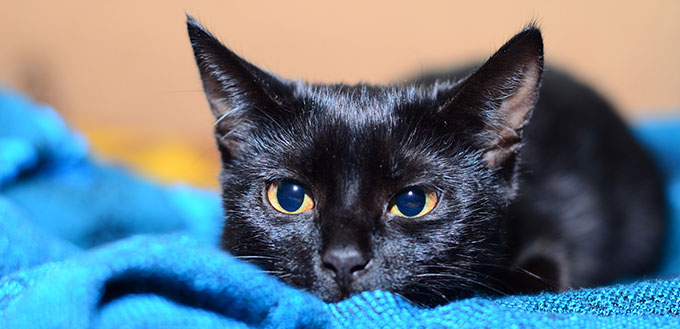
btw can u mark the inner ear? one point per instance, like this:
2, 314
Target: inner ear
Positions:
513, 114
495, 102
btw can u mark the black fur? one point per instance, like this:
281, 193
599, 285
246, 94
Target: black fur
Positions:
580, 204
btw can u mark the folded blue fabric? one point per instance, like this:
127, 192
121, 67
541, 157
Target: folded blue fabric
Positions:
90, 245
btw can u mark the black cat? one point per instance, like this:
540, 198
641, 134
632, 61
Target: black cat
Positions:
432, 189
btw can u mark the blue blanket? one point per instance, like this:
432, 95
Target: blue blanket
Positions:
90, 245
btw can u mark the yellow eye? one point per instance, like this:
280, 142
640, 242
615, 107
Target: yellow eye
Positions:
289, 198
414, 203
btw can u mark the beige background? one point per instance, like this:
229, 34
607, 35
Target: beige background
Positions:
123, 71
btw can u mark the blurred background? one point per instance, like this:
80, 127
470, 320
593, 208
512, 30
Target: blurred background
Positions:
123, 72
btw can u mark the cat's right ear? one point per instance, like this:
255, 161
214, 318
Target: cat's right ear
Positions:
238, 92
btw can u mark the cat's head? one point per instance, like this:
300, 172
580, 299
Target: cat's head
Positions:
339, 189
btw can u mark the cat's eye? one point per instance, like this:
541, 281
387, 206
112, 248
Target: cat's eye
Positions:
289, 197
414, 203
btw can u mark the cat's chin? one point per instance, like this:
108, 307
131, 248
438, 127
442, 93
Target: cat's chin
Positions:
330, 292
333, 296
419, 298
326, 289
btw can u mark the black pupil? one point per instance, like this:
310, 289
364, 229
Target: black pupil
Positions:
411, 202
290, 196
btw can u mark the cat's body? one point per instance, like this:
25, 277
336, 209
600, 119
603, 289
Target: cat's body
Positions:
426, 188
589, 195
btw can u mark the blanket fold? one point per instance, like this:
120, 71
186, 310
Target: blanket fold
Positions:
91, 245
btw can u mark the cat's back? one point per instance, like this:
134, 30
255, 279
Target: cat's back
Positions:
589, 194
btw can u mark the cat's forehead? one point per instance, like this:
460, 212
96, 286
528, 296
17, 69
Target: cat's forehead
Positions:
359, 130
370, 103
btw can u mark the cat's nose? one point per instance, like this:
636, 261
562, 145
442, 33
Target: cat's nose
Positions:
345, 263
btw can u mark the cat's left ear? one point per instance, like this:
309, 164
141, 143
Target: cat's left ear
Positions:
495, 102
239, 93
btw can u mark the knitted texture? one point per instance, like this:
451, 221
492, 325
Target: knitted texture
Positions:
90, 245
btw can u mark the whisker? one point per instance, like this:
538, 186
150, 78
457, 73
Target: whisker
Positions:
464, 279
430, 291
517, 269
226, 114
500, 284
280, 273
